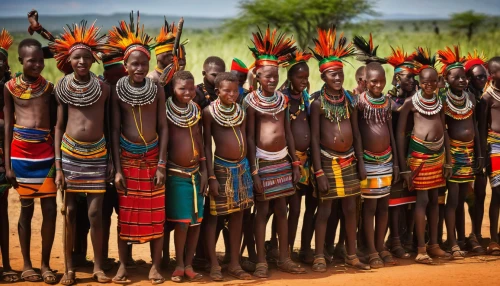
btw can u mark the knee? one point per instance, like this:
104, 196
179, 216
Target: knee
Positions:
369, 208
280, 211
95, 216
323, 212
50, 213
294, 212
422, 200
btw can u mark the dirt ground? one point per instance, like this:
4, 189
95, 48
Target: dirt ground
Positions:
482, 269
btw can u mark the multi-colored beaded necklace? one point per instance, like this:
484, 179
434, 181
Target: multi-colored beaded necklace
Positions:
336, 108
266, 104
494, 92
303, 99
426, 106
229, 117
378, 108
184, 117
71, 91
458, 107
27, 90
136, 96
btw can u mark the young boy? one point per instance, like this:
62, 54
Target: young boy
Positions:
335, 140
428, 150
205, 91
139, 151
164, 50
270, 142
462, 131
360, 80
8, 275
187, 176
489, 130
477, 76
29, 154
230, 182
240, 70
401, 198
80, 145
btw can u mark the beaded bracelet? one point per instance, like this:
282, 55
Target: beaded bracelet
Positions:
58, 159
296, 163
58, 169
162, 162
319, 171
320, 175
202, 159
255, 172
212, 178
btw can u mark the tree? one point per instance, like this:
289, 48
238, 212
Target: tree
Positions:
299, 17
468, 20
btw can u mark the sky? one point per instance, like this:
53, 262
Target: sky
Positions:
229, 8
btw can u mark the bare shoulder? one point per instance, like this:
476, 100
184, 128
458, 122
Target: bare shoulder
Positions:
206, 113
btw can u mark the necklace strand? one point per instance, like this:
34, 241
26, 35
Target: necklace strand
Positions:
426, 106
77, 93
136, 96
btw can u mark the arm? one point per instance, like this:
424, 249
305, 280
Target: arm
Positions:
203, 163
404, 112
395, 162
478, 151
162, 131
291, 146
8, 110
213, 184
447, 168
107, 130
315, 145
250, 131
62, 111
120, 182
484, 107
358, 146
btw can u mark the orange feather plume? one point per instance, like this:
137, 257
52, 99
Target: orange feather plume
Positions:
474, 59
400, 60
423, 59
271, 48
6, 41
295, 58
326, 52
450, 59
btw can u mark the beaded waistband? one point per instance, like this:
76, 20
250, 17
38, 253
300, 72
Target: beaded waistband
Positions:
137, 148
34, 135
85, 148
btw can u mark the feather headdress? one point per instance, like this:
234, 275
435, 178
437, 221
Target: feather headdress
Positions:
366, 52
239, 66
6, 41
77, 36
166, 38
295, 58
424, 60
474, 59
126, 38
271, 49
329, 55
401, 61
450, 59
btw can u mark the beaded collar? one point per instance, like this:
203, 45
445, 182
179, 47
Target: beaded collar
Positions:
458, 107
336, 108
494, 92
136, 96
26, 90
303, 100
227, 117
426, 106
374, 108
268, 105
73, 92
183, 116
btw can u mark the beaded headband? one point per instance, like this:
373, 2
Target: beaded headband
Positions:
424, 60
270, 49
450, 59
296, 58
329, 55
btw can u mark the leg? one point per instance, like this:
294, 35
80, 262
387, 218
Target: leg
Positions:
479, 197
494, 212
394, 235
121, 274
349, 209
48, 230
191, 241
433, 247
156, 247
306, 254
70, 217
94, 202
8, 274
381, 221
322, 216
210, 222
460, 214
234, 268
293, 218
451, 207
369, 210
24, 230
262, 209
420, 210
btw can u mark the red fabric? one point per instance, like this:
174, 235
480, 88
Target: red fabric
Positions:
471, 63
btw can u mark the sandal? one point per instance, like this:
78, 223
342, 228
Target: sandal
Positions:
191, 275
424, 258
319, 263
339, 251
49, 277
247, 265
306, 256
157, 281
10, 276
493, 249
68, 279
375, 261
327, 255
353, 261
100, 277
435, 251
474, 246
387, 258
261, 270
397, 249
457, 253
216, 274
239, 273
30, 275
178, 275
121, 280
291, 267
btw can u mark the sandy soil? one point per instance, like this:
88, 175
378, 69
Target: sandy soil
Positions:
482, 269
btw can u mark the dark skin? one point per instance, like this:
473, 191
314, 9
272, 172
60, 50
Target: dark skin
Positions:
465, 131
229, 147
210, 72
270, 134
124, 122
428, 128
33, 113
85, 124
162, 61
181, 153
377, 137
242, 77
339, 137
489, 119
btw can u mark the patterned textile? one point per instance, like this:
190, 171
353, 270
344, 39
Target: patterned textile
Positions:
305, 166
378, 174
462, 160
494, 169
276, 178
431, 155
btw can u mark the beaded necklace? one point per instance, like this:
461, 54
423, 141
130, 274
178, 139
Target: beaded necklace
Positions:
426, 106
458, 107
336, 108
268, 105
303, 99
184, 117
229, 117
22, 89
71, 91
207, 95
378, 108
136, 96
494, 92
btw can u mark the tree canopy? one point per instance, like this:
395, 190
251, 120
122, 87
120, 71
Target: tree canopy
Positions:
468, 21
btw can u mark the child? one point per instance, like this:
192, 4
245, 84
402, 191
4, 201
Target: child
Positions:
8, 275
187, 176
139, 151
205, 91
429, 148
80, 145
379, 153
270, 142
240, 70
462, 130
477, 76
29, 154
360, 80
335, 140
489, 130
230, 182
401, 200
163, 51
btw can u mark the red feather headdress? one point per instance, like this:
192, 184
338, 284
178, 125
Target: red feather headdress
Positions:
6, 41
474, 59
401, 61
450, 59
166, 38
271, 49
329, 55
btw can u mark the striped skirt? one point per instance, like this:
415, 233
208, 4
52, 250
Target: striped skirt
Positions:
378, 174
84, 165
462, 160
276, 178
494, 168
431, 156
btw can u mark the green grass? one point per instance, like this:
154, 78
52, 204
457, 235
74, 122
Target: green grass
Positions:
207, 43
